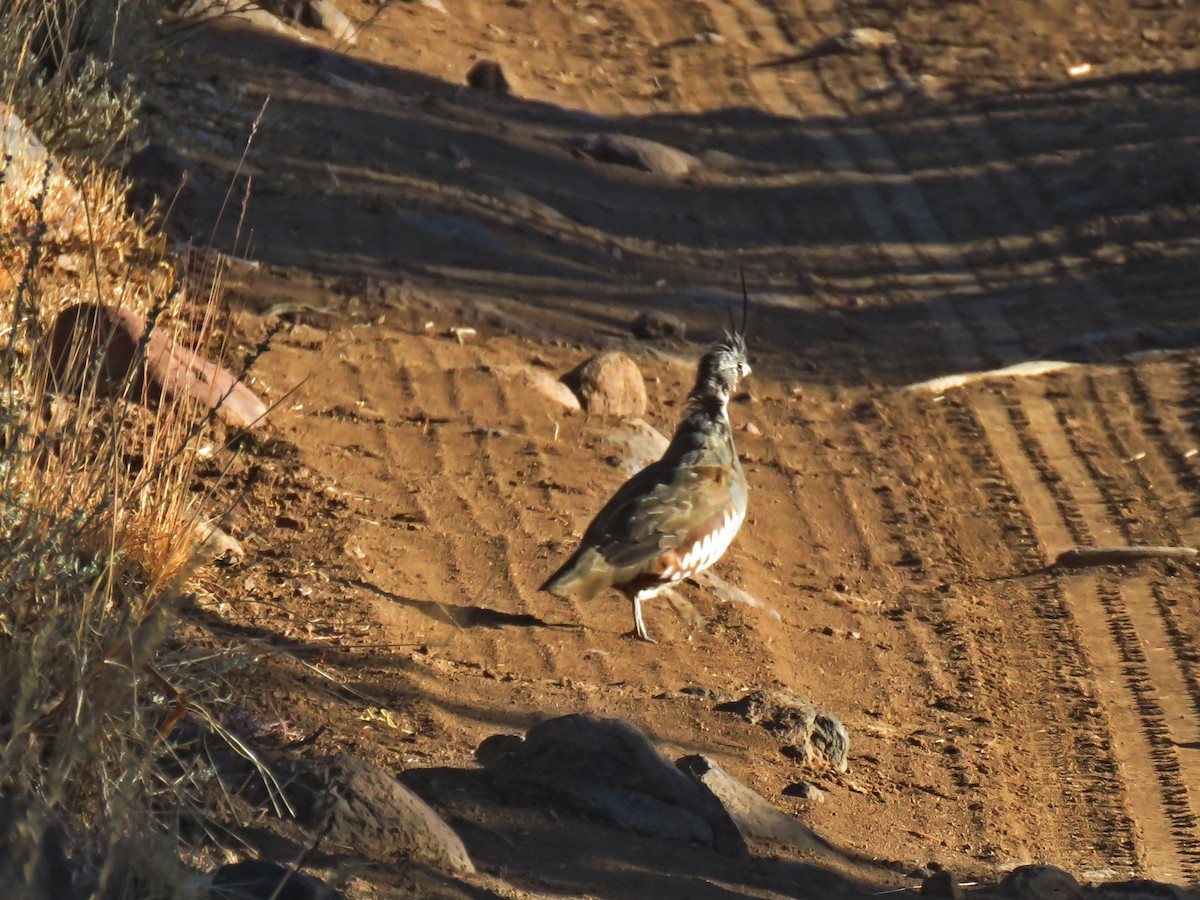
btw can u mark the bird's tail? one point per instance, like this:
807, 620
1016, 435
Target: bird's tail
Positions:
582, 577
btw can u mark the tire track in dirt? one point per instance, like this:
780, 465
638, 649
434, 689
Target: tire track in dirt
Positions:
1177, 678
1081, 507
1141, 436
519, 541
1163, 436
1155, 675
1156, 794
1004, 340
1037, 639
933, 637
455, 519
1158, 680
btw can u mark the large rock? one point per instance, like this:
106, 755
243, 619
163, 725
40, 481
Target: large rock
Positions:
752, 814
1040, 883
29, 173
367, 811
609, 770
638, 153
609, 384
105, 340
808, 733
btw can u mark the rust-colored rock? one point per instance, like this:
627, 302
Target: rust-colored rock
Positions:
609, 385
81, 332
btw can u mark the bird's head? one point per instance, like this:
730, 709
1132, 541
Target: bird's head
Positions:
722, 367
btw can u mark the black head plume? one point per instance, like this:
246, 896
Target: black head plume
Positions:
736, 333
745, 301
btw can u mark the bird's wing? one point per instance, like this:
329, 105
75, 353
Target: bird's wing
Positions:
658, 510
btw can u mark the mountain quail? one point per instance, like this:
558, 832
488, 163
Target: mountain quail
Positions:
677, 516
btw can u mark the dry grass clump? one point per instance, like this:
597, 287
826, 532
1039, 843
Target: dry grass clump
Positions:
98, 521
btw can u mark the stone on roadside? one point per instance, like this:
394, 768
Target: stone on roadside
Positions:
1040, 883
752, 814
89, 338
487, 75
809, 734
541, 382
635, 152
805, 790
942, 885
324, 15
609, 384
653, 325
609, 770
368, 812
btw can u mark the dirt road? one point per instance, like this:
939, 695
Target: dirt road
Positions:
1000, 714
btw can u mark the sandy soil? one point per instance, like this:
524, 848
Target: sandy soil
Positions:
408, 498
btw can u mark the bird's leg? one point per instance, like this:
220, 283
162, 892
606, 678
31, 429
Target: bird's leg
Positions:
639, 627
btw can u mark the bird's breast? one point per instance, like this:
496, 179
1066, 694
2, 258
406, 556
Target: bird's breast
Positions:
703, 553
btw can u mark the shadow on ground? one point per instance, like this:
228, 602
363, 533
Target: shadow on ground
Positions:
1073, 207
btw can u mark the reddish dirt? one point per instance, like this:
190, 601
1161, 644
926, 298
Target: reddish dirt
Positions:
409, 497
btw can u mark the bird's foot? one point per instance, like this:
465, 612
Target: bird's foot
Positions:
636, 635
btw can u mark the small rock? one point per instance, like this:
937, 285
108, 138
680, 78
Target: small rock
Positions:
943, 885
495, 750
542, 382
487, 75
1040, 883
637, 442
81, 332
367, 811
652, 325
808, 733
610, 384
752, 814
324, 15
639, 153
261, 879
805, 790
609, 769
753, 430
